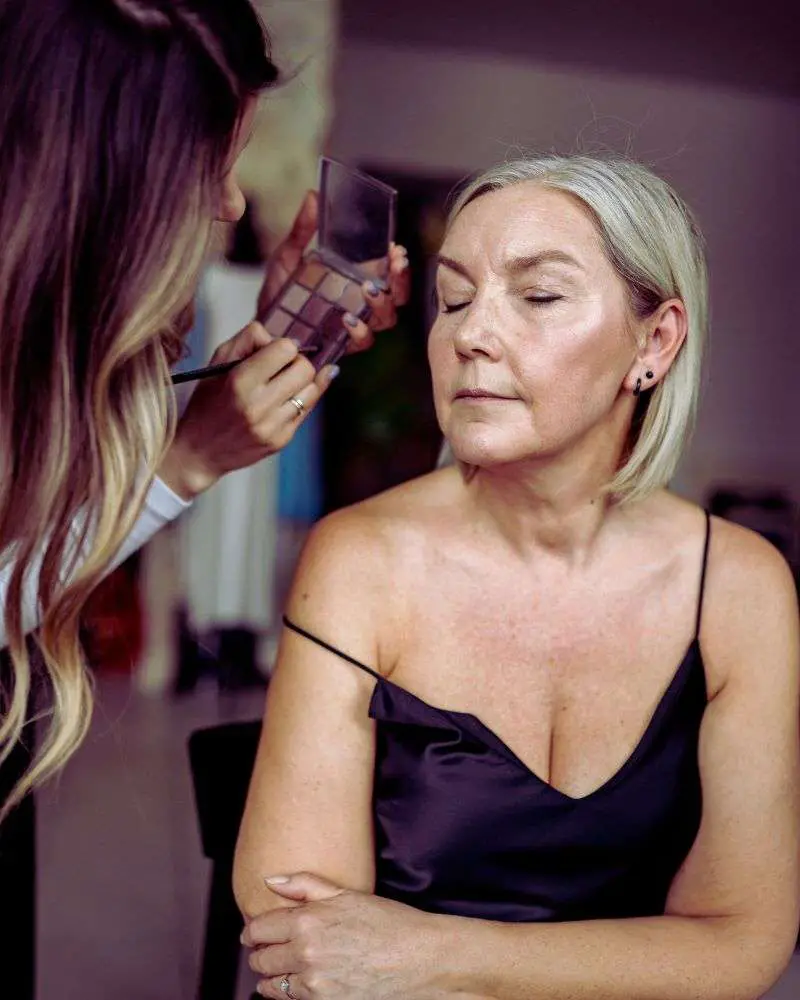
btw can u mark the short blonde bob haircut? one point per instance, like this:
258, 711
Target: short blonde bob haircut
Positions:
655, 245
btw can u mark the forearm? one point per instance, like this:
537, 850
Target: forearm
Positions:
659, 958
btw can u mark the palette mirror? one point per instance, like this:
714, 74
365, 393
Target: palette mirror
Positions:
356, 229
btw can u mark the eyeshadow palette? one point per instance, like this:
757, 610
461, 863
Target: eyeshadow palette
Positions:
356, 228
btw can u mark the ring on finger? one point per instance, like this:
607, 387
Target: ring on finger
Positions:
286, 987
300, 406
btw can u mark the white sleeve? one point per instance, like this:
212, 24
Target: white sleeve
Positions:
160, 507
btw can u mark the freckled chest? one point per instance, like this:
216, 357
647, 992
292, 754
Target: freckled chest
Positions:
566, 671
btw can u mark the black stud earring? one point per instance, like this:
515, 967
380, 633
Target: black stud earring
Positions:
638, 387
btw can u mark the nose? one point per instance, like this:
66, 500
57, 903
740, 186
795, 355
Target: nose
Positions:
475, 335
232, 202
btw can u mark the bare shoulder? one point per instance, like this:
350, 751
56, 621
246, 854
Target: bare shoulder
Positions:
749, 625
748, 574
368, 535
750, 616
357, 563
740, 561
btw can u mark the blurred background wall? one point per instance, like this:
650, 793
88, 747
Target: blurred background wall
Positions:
292, 122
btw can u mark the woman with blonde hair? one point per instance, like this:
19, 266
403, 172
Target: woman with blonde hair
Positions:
120, 125
533, 730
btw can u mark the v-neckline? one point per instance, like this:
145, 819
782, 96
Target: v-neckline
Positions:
491, 739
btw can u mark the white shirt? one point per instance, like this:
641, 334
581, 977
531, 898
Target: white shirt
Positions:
161, 506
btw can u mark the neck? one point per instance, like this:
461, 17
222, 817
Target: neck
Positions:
558, 504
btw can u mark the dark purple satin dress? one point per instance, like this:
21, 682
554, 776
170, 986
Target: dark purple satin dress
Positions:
463, 827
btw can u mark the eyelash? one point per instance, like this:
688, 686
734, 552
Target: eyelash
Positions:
542, 300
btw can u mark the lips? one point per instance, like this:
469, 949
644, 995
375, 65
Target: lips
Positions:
479, 394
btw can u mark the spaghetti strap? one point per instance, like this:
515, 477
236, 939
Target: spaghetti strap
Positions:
331, 649
703, 578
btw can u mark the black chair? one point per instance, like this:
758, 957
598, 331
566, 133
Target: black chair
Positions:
222, 760
18, 865
18, 881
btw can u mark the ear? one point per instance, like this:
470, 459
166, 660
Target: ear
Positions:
663, 334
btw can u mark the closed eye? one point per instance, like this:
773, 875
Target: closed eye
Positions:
543, 299
452, 307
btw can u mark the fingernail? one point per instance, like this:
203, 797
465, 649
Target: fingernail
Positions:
350, 319
403, 263
333, 371
294, 340
265, 334
242, 939
276, 879
375, 288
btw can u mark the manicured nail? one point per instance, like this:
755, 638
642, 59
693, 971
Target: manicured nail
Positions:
276, 879
333, 371
350, 319
374, 288
263, 330
294, 340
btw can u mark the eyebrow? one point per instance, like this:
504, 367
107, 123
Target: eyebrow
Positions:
515, 265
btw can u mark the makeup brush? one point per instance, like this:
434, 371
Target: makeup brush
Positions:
211, 371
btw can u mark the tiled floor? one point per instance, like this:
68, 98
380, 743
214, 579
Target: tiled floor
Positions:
123, 881
122, 878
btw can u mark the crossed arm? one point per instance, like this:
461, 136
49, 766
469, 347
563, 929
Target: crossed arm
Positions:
731, 919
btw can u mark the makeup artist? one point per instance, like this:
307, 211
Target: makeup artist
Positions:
120, 125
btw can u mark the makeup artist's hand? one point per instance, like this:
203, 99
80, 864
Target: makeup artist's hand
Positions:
338, 944
235, 420
383, 303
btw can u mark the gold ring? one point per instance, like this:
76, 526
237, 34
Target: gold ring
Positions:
299, 405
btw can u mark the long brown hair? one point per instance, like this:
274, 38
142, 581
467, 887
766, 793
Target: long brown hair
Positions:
117, 120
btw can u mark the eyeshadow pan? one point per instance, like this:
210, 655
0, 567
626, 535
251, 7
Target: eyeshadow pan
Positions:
333, 286
334, 340
294, 298
301, 333
315, 310
278, 323
352, 298
312, 273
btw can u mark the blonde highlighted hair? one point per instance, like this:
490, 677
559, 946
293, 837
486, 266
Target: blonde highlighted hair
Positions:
654, 243
117, 121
